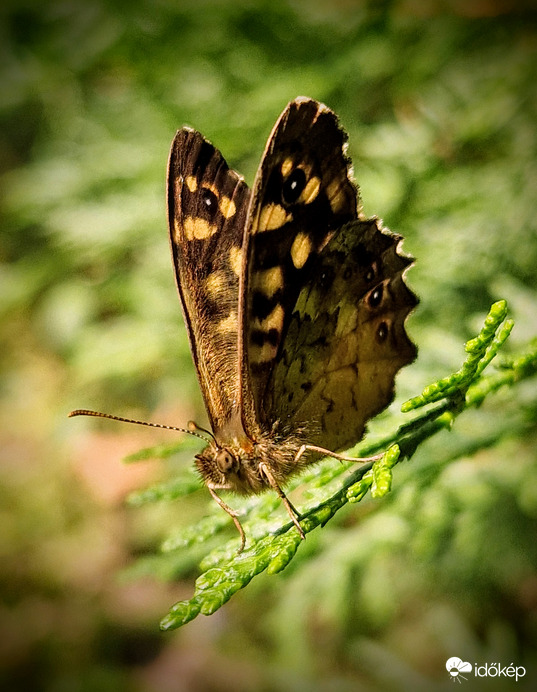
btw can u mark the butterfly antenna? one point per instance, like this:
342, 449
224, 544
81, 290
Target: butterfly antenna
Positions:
194, 426
98, 414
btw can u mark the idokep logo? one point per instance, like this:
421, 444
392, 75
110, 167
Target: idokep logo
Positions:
456, 667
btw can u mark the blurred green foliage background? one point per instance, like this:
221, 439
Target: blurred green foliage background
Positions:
439, 99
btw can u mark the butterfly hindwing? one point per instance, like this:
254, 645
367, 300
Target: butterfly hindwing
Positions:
207, 211
346, 338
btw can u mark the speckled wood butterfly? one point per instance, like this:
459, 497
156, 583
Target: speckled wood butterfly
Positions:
294, 302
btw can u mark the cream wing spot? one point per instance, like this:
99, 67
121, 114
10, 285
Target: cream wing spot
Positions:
235, 260
272, 216
216, 283
268, 281
287, 166
335, 191
191, 183
301, 250
273, 321
198, 229
262, 354
227, 207
229, 323
310, 192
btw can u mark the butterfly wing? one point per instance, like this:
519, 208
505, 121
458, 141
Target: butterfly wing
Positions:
294, 306
207, 211
302, 194
346, 338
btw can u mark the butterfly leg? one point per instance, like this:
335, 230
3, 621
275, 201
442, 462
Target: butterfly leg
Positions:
291, 511
233, 514
342, 457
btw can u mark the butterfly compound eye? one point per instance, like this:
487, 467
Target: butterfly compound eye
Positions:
293, 186
225, 460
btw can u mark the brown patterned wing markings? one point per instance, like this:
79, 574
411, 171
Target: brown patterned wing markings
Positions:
302, 194
346, 338
207, 211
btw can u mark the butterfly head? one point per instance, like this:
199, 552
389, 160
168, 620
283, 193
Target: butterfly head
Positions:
248, 467
230, 467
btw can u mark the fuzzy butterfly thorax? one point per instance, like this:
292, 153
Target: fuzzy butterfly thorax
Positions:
294, 302
248, 466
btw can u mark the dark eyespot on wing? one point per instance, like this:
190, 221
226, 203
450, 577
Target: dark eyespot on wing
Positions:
293, 186
209, 200
374, 298
382, 332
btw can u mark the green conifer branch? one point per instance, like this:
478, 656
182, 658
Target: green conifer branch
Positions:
271, 547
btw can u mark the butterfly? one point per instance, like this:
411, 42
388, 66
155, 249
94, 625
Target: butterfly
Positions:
294, 302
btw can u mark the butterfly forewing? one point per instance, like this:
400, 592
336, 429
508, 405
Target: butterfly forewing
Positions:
301, 196
207, 211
